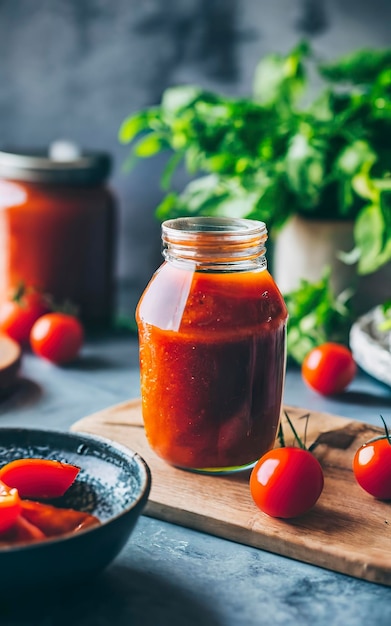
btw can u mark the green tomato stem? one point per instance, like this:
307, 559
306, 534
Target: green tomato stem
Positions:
386, 430
281, 436
297, 438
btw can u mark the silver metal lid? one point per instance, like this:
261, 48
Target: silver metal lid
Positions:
62, 164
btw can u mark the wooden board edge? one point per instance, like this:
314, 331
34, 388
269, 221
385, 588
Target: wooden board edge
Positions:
373, 572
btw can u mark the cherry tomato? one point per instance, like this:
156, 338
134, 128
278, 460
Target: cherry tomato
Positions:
372, 468
329, 368
10, 507
57, 337
18, 316
286, 482
39, 478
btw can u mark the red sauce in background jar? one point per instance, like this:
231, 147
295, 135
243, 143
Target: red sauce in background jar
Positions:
212, 346
57, 230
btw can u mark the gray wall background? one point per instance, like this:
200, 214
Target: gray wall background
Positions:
75, 69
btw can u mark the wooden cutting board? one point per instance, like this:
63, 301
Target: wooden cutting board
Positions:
347, 531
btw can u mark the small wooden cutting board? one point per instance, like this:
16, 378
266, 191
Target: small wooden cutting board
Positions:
347, 531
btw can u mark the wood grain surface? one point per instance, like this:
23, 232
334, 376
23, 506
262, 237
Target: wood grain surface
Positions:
347, 531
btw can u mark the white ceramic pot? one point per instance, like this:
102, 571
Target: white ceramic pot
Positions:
304, 247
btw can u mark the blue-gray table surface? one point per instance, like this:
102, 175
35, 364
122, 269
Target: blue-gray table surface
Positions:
172, 575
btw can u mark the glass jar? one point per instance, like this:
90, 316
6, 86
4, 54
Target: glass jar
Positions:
57, 229
212, 333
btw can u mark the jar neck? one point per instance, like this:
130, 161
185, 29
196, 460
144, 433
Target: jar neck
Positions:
215, 243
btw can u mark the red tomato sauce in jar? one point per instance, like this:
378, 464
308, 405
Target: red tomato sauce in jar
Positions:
212, 359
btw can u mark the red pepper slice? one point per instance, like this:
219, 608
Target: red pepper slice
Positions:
22, 531
39, 478
53, 521
10, 507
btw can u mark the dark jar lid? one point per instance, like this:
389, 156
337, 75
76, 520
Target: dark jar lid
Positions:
61, 164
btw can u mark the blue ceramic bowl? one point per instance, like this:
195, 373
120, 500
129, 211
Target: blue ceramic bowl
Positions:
113, 484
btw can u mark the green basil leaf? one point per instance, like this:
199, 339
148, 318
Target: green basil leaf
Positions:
372, 233
280, 79
239, 207
350, 258
149, 145
202, 195
368, 235
166, 208
364, 187
355, 157
305, 169
136, 123
177, 98
361, 66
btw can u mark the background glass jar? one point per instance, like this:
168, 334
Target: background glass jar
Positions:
57, 229
212, 330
